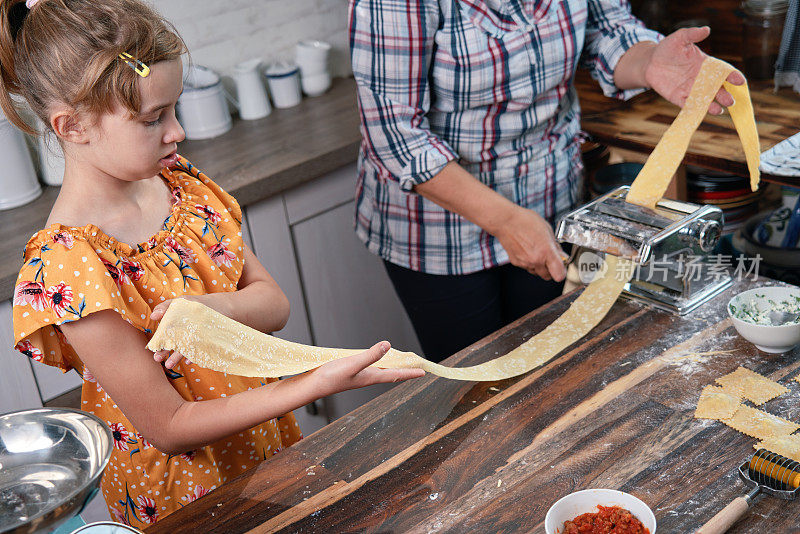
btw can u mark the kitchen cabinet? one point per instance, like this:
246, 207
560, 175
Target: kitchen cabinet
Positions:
339, 292
25, 383
272, 243
53, 382
18, 389
351, 302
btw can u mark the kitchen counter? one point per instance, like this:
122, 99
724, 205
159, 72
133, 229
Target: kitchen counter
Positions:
615, 410
253, 161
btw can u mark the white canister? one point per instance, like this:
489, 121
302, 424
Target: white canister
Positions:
202, 109
316, 84
284, 84
312, 57
18, 182
250, 90
51, 158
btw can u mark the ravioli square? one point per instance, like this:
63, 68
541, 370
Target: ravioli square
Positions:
759, 424
750, 385
788, 446
716, 403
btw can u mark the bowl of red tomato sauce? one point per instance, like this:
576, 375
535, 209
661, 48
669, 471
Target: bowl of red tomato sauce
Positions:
600, 510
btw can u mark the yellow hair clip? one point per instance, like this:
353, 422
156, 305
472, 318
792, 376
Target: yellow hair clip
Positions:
140, 68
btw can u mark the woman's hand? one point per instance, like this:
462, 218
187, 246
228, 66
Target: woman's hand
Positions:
675, 64
355, 372
216, 301
525, 235
531, 244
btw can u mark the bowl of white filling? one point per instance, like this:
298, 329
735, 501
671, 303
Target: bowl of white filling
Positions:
768, 317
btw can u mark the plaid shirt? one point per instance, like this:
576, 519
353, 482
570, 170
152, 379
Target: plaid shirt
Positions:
488, 84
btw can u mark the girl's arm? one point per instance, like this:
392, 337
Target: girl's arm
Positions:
126, 371
258, 302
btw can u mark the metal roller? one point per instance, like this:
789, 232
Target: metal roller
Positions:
766, 472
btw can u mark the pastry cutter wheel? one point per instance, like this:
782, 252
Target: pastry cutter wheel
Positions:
766, 472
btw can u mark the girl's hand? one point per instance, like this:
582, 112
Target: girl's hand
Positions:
531, 244
172, 358
354, 372
674, 64
211, 300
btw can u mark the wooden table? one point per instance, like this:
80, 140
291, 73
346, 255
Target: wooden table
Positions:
639, 123
434, 455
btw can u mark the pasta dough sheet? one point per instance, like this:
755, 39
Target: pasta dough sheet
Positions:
760, 425
752, 386
716, 403
788, 446
217, 342
658, 170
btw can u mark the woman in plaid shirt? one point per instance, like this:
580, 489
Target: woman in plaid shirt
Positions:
470, 150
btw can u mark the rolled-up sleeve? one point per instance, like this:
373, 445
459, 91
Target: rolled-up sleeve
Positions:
391, 47
610, 32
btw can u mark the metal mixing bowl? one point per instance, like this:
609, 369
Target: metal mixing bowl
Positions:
51, 462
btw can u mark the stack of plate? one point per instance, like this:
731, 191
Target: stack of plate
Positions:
612, 176
774, 262
728, 192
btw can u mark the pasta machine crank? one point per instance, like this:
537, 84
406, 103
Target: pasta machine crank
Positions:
670, 245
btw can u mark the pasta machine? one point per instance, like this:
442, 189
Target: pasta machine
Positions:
670, 246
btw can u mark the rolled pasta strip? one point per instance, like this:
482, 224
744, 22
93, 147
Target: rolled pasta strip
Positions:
654, 178
217, 342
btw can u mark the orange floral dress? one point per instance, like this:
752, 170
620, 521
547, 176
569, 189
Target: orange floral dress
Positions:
70, 272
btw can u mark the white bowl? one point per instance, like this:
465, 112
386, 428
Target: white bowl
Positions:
767, 338
586, 501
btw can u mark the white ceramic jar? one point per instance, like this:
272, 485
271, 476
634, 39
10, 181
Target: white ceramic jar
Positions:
250, 90
284, 84
202, 109
316, 84
18, 182
312, 59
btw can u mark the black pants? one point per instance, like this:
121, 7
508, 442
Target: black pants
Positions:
450, 312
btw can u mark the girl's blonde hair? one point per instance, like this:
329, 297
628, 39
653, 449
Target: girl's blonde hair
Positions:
67, 52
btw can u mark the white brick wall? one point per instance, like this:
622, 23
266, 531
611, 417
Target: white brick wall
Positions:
221, 34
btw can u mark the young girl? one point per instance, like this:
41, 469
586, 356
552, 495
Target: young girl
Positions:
134, 226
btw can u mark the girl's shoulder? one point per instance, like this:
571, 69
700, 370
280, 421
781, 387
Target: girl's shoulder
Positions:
65, 248
186, 180
65, 275
196, 200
